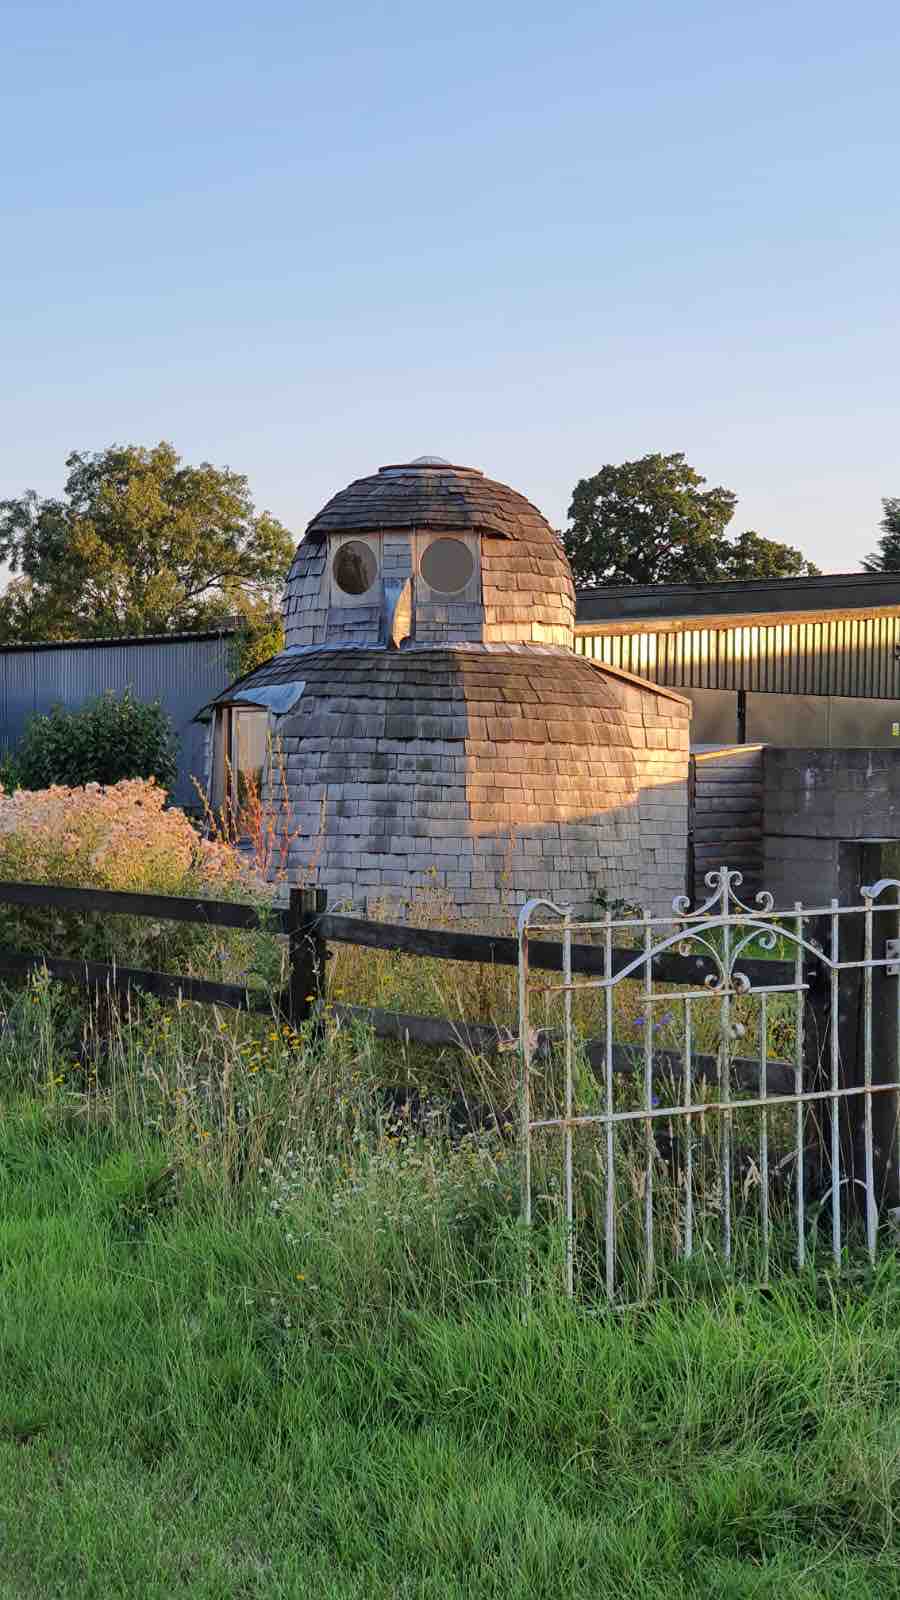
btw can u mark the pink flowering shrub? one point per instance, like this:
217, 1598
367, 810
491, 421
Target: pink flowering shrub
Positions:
124, 837
121, 837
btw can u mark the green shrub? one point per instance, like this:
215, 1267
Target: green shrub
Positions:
103, 741
10, 779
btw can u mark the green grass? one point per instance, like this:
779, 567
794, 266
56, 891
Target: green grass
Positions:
202, 1396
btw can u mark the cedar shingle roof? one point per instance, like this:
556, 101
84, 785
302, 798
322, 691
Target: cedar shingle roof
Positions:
458, 499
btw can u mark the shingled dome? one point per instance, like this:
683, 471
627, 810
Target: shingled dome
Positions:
526, 594
434, 722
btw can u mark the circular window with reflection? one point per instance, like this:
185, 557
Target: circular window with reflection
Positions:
447, 566
355, 568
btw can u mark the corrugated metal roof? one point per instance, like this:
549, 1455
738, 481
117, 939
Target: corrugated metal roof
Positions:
226, 629
624, 603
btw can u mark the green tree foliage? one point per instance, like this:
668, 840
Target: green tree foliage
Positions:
887, 557
259, 641
654, 521
103, 741
138, 543
752, 556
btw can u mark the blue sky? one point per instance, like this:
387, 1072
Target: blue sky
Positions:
306, 240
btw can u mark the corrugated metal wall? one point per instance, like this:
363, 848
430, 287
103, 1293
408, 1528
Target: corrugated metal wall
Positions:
183, 674
851, 656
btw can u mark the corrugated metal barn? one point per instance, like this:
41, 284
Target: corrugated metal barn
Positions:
788, 661
798, 663
182, 671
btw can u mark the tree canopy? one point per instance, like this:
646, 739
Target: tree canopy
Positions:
654, 521
887, 557
139, 542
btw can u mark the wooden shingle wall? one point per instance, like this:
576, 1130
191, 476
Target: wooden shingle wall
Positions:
492, 774
726, 792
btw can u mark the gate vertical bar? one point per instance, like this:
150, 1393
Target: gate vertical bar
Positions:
610, 1239
897, 1076
835, 1085
648, 1103
524, 1081
724, 1054
687, 1089
799, 1047
567, 1135
869, 1160
764, 1132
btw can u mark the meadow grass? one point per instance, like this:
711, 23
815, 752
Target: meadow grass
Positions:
259, 1339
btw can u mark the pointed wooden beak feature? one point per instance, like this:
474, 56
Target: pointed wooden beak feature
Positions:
398, 611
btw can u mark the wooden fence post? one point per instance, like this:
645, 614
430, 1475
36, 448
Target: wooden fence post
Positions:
860, 862
306, 980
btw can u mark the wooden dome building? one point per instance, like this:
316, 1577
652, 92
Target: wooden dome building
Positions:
435, 723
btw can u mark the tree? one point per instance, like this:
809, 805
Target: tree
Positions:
652, 521
752, 556
887, 557
139, 543
259, 640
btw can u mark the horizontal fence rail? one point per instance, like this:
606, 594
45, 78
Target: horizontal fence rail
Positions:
165, 907
124, 980
491, 950
309, 927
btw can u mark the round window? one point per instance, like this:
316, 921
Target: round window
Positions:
355, 568
447, 566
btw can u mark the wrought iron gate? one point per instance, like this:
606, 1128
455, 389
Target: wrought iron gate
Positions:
677, 1147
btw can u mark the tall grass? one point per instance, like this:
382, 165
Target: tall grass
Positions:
334, 1389
262, 1334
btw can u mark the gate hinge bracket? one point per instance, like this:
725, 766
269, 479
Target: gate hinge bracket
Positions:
892, 952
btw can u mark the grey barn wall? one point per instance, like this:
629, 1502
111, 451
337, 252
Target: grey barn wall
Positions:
182, 673
840, 722
814, 799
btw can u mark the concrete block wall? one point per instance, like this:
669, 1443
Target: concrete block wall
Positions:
813, 799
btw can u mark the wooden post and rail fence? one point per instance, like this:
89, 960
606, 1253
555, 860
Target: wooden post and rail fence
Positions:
309, 928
